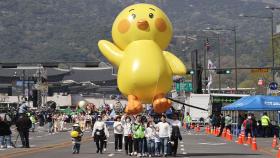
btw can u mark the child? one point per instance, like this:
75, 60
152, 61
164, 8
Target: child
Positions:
76, 140
150, 136
157, 144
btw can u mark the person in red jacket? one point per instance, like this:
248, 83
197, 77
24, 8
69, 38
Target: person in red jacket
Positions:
248, 125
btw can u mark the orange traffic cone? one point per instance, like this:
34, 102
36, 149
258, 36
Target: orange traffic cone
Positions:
224, 133
240, 139
254, 145
243, 137
229, 136
214, 131
278, 154
274, 142
197, 128
217, 131
208, 131
249, 139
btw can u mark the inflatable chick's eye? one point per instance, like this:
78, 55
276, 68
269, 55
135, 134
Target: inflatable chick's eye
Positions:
141, 33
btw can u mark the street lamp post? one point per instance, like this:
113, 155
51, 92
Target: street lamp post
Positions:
272, 31
235, 50
272, 26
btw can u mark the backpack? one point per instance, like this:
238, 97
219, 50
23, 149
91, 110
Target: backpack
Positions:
248, 124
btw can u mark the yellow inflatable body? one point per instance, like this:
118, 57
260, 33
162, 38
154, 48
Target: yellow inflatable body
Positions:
74, 134
141, 33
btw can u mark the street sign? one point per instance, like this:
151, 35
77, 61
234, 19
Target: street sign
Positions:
261, 82
273, 86
260, 70
184, 86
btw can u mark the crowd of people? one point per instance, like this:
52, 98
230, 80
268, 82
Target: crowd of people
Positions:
139, 135
143, 136
246, 122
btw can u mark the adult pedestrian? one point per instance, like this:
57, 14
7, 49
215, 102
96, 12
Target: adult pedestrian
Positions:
164, 134
150, 136
5, 134
188, 121
248, 125
127, 131
221, 124
23, 125
265, 124
138, 130
241, 119
118, 132
228, 122
254, 126
175, 134
49, 120
33, 121
99, 133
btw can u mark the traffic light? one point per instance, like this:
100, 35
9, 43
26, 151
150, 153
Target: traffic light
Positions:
190, 72
223, 71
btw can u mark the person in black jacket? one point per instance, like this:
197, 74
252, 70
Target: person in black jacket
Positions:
23, 125
222, 124
5, 134
175, 134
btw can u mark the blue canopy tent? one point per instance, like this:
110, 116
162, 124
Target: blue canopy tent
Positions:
258, 103
255, 103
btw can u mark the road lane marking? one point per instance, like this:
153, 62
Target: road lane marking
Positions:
212, 143
110, 155
182, 145
182, 149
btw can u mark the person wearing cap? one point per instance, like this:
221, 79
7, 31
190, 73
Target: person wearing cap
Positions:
118, 131
99, 133
77, 140
127, 131
23, 108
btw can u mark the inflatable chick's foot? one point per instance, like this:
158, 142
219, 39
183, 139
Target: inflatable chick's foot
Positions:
134, 106
161, 104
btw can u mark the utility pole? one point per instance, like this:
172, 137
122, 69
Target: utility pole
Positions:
205, 64
23, 84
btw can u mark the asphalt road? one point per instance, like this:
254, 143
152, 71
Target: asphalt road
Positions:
194, 145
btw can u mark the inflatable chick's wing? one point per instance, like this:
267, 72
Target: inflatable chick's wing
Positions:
141, 33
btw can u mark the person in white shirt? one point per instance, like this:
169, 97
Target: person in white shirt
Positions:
99, 133
164, 130
150, 133
118, 131
127, 132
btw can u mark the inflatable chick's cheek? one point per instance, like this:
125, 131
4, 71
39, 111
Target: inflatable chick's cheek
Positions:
141, 33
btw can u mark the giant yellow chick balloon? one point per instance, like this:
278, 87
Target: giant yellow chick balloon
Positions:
141, 33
